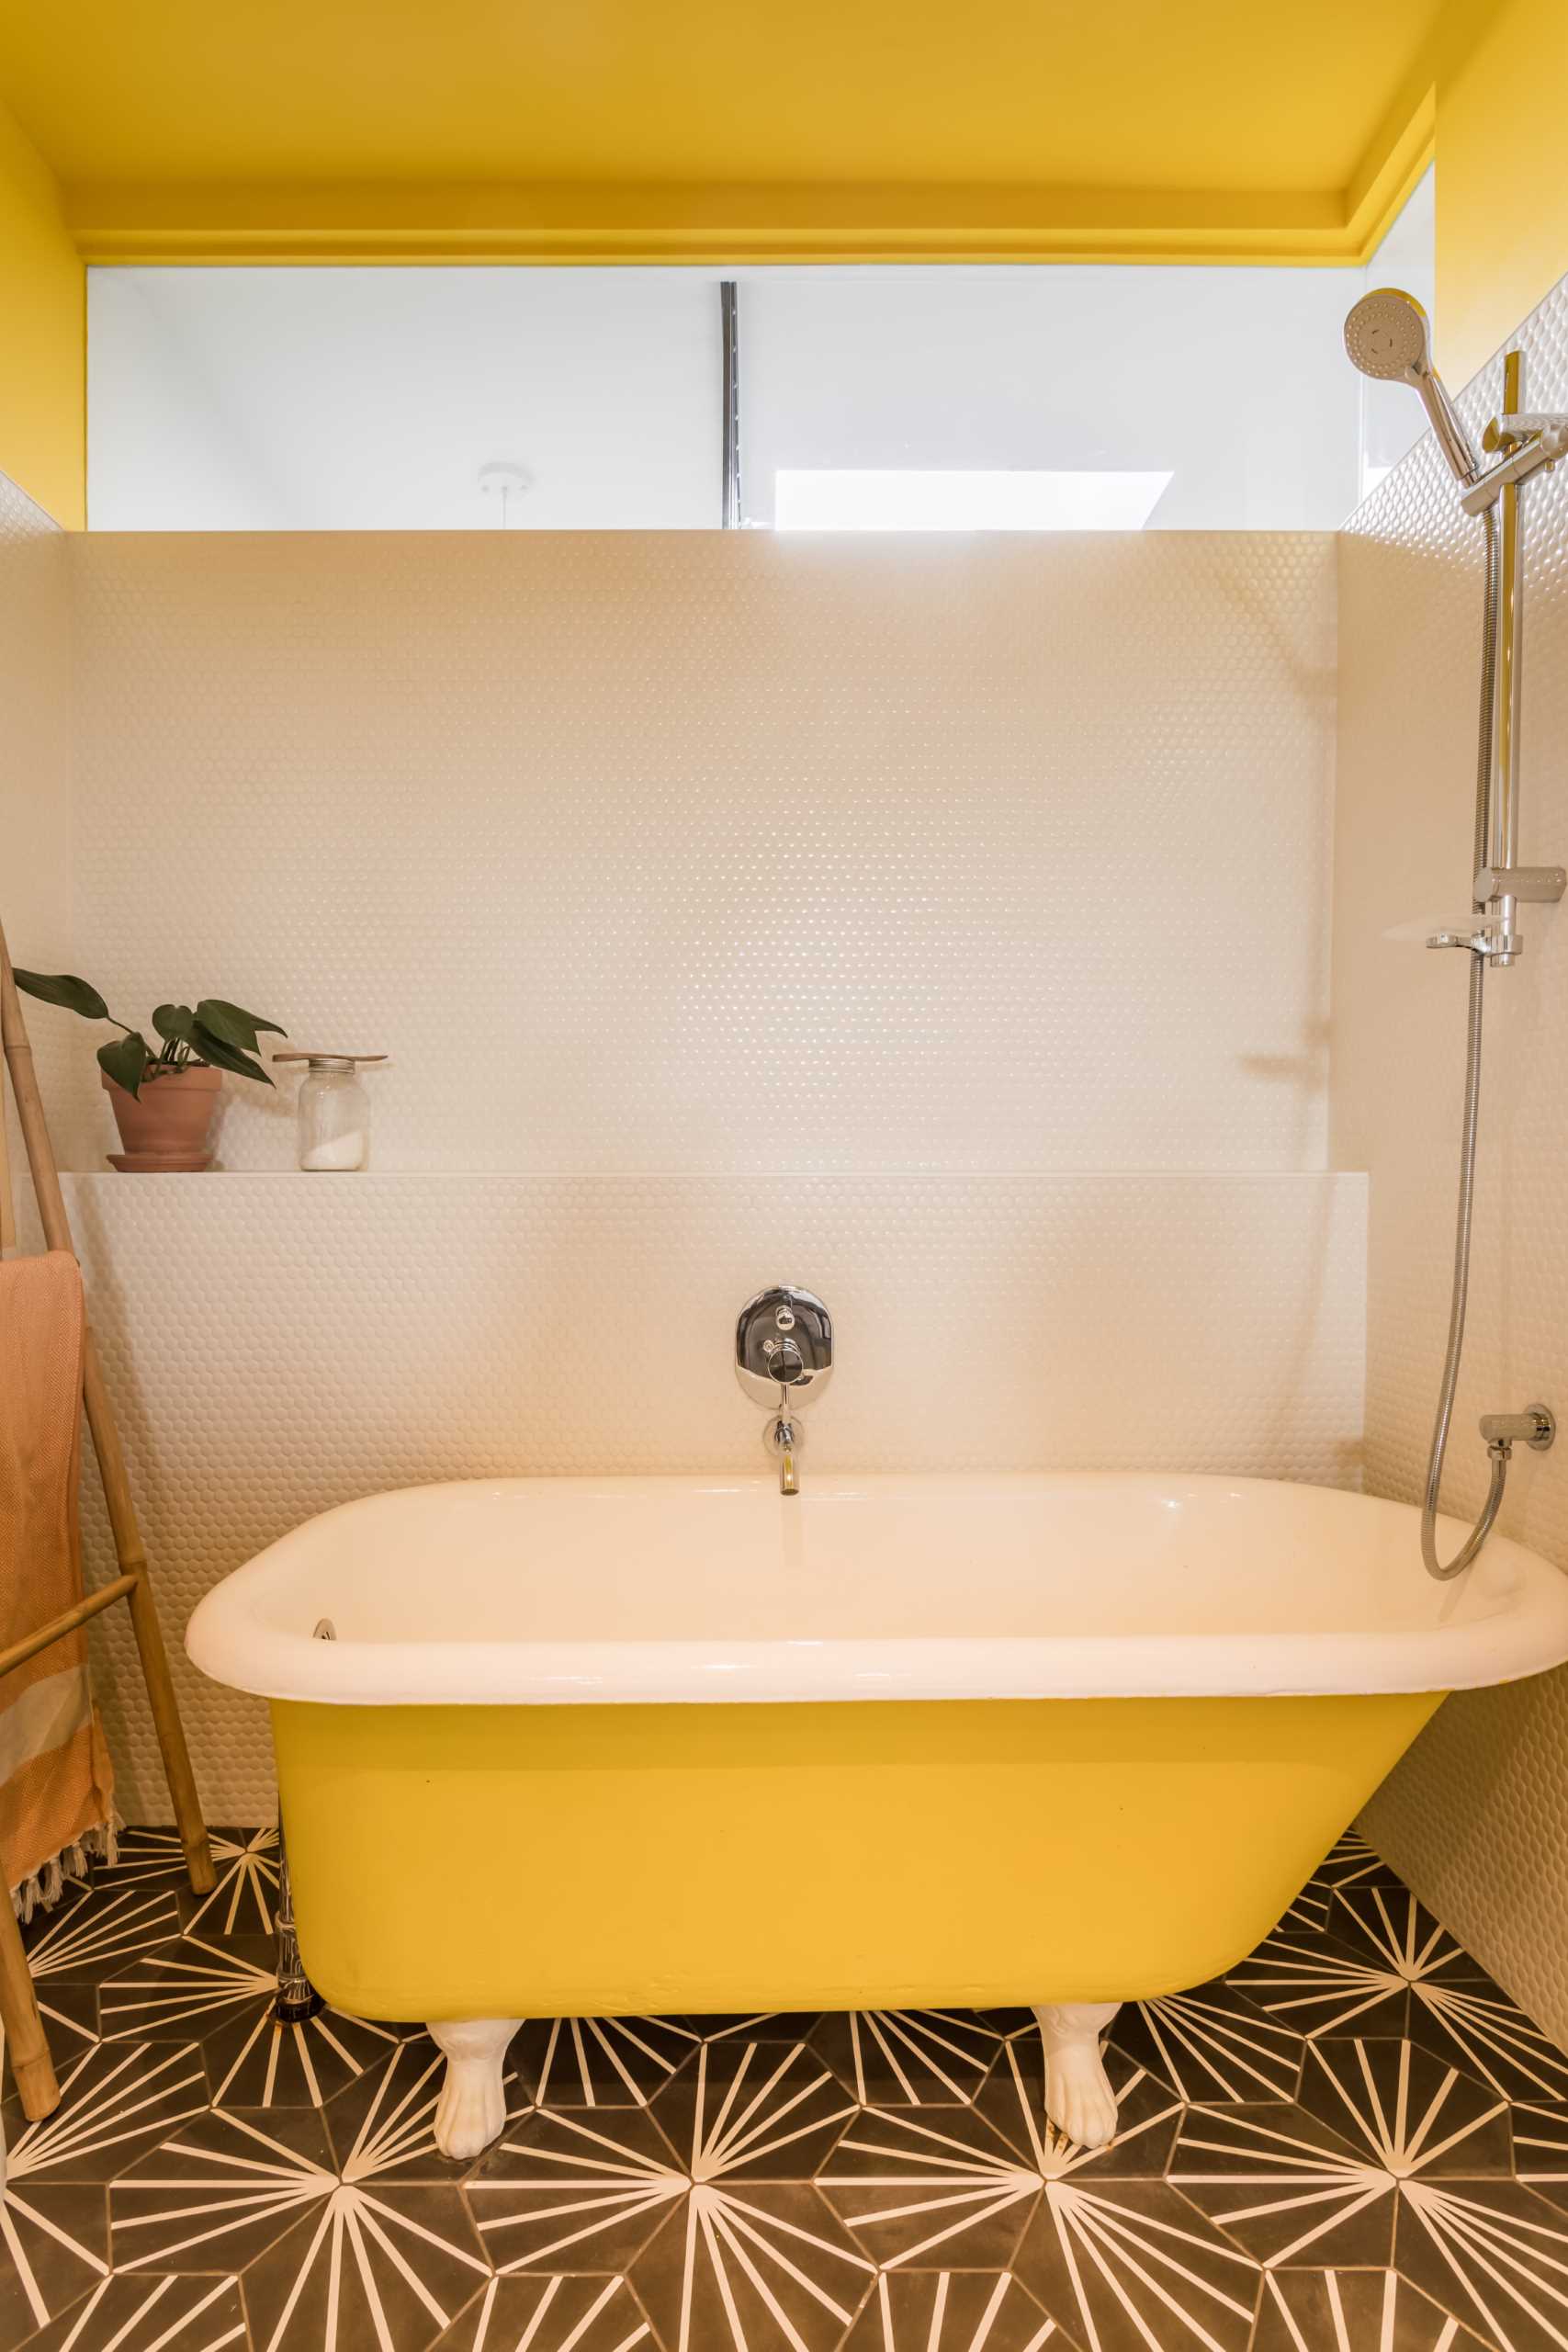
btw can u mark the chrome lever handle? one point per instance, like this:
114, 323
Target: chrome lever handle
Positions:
1476, 941
1482, 938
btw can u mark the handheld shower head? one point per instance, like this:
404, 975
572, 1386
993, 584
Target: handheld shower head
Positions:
1388, 333
1389, 336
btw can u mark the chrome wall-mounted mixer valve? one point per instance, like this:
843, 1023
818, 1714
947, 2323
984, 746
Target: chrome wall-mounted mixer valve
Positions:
784, 1353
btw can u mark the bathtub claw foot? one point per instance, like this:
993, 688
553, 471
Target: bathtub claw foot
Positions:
472, 2106
1079, 2097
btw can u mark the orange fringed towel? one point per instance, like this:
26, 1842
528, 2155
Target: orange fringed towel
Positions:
56, 1781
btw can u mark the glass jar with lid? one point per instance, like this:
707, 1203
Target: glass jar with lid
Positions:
333, 1111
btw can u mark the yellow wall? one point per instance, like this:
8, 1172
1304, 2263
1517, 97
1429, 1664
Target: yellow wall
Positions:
44, 365
1501, 182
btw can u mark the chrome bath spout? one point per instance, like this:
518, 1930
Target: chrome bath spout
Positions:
785, 1438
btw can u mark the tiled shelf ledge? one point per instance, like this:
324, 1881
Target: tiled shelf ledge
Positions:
721, 1178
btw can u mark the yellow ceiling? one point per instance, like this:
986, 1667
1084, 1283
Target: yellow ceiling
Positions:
1219, 127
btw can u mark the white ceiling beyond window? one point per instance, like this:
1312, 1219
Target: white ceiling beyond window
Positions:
361, 400
446, 399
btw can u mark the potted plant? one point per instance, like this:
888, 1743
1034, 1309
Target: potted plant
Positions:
164, 1103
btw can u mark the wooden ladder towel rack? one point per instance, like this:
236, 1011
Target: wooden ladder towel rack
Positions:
24, 2031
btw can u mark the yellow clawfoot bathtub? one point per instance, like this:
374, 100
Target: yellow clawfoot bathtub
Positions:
972, 1741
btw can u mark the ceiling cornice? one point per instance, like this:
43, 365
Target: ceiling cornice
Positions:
599, 222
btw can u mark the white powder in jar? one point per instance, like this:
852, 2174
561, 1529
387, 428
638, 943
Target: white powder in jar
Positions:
344, 1151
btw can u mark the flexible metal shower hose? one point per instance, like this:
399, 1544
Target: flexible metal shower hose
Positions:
1461, 1293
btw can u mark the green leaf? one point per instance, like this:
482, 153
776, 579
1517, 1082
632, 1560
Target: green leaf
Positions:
63, 988
174, 1022
233, 1023
126, 1060
221, 1055
179, 1021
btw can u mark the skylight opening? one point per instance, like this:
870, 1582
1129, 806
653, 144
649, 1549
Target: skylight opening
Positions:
964, 499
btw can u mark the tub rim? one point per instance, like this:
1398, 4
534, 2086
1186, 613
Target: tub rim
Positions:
1526, 1634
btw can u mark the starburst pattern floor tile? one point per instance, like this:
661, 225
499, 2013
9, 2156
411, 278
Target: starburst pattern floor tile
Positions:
1541, 2150
119, 2100
713, 2256
1412, 2113
259, 2061
1453, 2007
753, 2110
554, 2314
909, 2057
1213, 2043
219, 2192
1007, 2023
1478, 2027
183, 1992
53, 2250
951, 2310
244, 1901
1350, 1862
390, 2267
328, 2251
573, 2190
1355, 2142
1384, 1966
1314, 1983
600, 2061
1308, 1914
1130, 2264
140, 2315
1354, 2311
758, 2268
1147, 2114
222, 1994
1391, 1929
95, 1934
70, 2014
1284, 2188
382, 2126
144, 1857
1493, 2253
761, 2025
931, 2188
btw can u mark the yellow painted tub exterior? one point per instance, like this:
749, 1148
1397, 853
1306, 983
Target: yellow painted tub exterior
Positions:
474, 1861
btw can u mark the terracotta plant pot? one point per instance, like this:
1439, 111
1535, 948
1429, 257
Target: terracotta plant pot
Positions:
167, 1129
